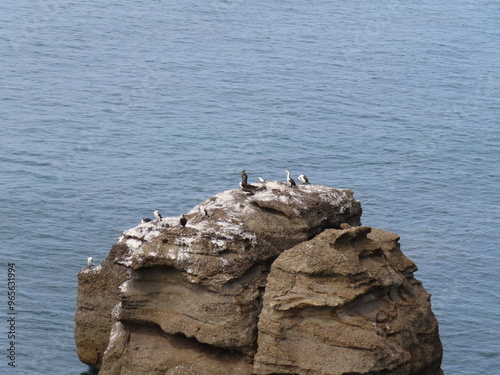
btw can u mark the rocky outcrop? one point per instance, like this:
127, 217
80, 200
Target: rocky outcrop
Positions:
258, 283
346, 302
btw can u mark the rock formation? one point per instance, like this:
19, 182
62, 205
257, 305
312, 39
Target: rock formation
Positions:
346, 302
282, 280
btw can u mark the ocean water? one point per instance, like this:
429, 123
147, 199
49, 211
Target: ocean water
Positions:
109, 110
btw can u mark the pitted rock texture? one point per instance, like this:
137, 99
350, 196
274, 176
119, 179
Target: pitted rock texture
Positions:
188, 300
346, 302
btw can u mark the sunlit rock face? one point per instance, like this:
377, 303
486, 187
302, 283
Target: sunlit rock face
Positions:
234, 230
196, 299
346, 302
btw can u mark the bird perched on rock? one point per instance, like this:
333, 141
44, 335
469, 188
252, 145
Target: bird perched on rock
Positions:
304, 179
290, 180
244, 177
90, 262
203, 211
145, 220
248, 187
158, 215
261, 179
183, 221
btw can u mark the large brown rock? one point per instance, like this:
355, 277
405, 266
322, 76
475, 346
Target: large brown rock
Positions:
187, 300
346, 302
205, 280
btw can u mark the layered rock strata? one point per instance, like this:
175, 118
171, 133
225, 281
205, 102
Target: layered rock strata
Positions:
346, 302
251, 284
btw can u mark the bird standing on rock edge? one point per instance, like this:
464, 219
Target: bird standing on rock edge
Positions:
304, 179
183, 221
290, 180
90, 262
158, 215
244, 177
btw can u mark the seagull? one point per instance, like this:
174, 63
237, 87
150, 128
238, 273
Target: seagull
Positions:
183, 220
157, 215
289, 179
303, 179
90, 262
145, 220
244, 177
261, 179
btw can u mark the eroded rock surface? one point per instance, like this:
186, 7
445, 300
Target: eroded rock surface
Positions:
232, 231
139, 349
98, 295
188, 300
346, 302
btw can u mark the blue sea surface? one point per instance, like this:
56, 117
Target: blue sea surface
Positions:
109, 110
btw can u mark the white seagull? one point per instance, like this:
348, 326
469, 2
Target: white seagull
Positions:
90, 261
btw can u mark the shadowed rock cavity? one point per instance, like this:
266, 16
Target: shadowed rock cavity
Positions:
261, 283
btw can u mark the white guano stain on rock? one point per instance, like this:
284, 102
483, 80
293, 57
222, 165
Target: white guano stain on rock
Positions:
218, 223
92, 269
